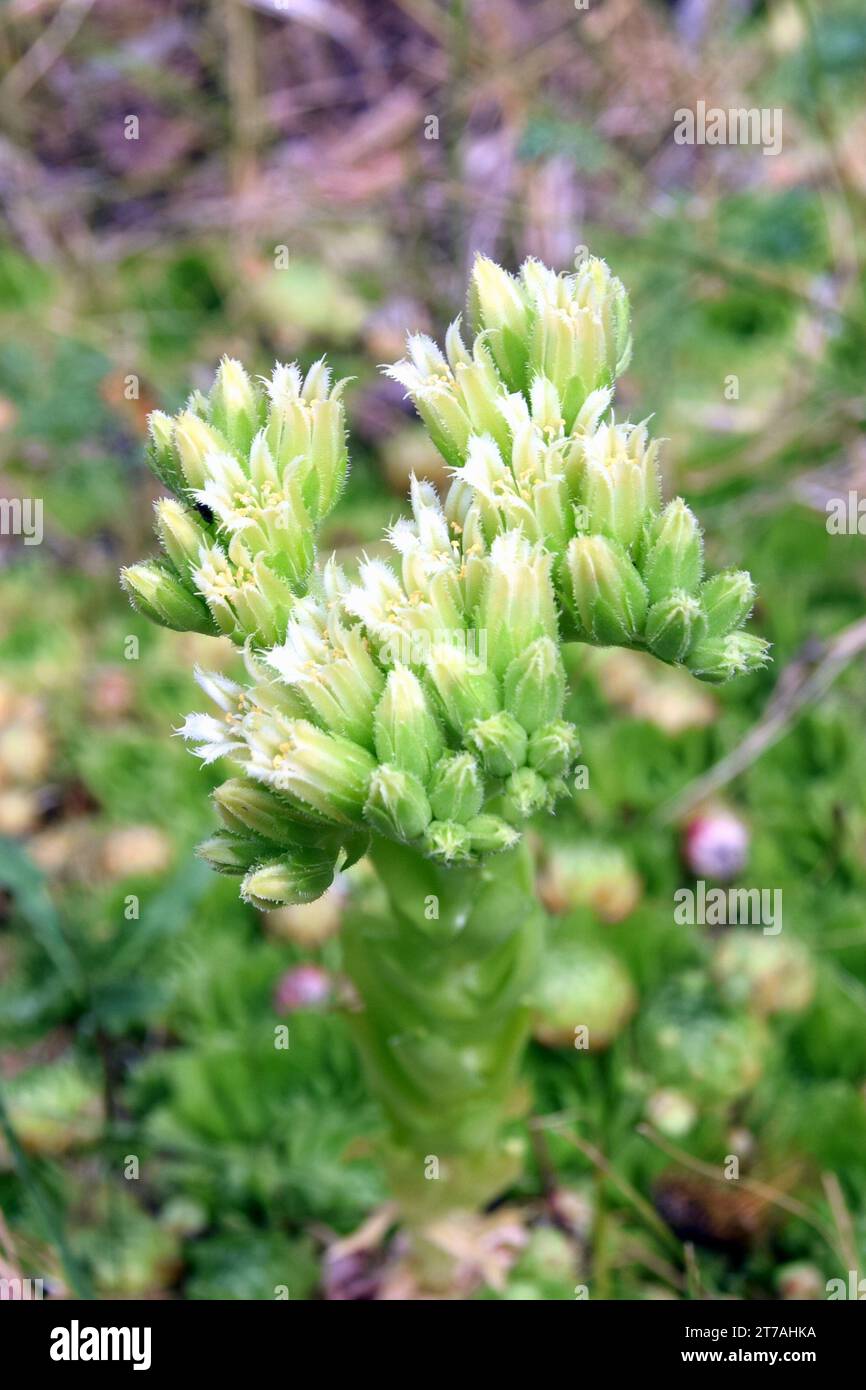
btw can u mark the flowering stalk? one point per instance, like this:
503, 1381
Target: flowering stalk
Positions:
445, 981
415, 709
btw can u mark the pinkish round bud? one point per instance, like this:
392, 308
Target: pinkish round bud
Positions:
716, 845
304, 987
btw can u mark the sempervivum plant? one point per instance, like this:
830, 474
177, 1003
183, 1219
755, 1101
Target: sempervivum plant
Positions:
414, 710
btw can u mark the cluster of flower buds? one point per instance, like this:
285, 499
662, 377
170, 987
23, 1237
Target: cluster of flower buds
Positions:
383, 711
423, 699
522, 419
255, 469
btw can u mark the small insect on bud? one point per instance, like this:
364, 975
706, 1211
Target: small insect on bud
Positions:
156, 591
397, 804
609, 595
457, 788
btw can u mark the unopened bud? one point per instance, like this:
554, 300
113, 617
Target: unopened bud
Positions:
620, 488
526, 793
580, 336
231, 854
329, 456
674, 625
194, 441
397, 804
246, 805
289, 882
158, 593
325, 772
448, 841
718, 659
518, 603
553, 748
498, 306
609, 594
235, 403
457, 788
534, 685
674, 559
727, 600
466, 693
500, 743
405, 728
182, 533
161, 453
491, 834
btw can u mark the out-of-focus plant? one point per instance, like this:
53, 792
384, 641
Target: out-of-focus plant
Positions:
415, 712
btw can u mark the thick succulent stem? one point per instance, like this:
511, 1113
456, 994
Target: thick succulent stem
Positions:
444, 982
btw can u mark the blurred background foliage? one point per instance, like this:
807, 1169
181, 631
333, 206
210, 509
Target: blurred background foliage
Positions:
316, 177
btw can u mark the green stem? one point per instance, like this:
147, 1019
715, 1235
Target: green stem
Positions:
444, 983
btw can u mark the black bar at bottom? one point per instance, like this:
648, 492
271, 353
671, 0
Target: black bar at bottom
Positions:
154, 1338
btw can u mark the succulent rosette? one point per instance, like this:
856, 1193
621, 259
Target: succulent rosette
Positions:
584, 996
692, 1041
